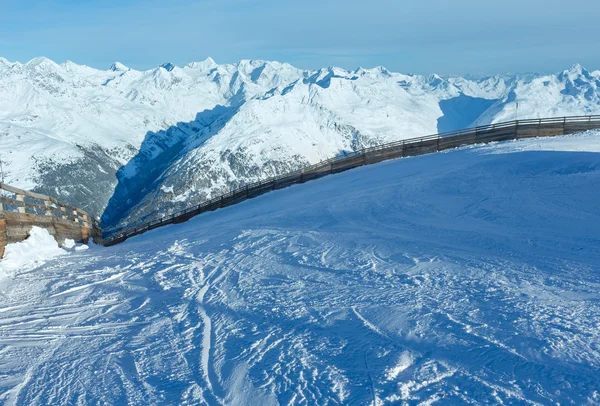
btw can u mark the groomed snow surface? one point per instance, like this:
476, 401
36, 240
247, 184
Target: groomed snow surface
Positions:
470, 276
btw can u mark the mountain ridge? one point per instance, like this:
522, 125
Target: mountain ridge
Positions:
176, 136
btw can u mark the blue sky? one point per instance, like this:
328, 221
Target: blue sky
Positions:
425, 36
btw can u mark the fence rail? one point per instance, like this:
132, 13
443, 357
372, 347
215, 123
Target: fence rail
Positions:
16, 200
21, 209
543, 127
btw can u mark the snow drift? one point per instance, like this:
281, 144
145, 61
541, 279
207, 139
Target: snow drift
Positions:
37, 248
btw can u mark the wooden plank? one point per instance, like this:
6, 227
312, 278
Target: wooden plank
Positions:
18, 191
352, 162
12, 216
19, 224
20, 198
48, 207
39, 196
15, 202
22, 208
539, 130
68, 231
61, 220
3, 238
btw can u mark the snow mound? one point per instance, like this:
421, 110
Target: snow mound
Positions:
35, 250
71, 245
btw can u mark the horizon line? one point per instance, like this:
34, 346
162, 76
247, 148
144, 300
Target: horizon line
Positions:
166, 65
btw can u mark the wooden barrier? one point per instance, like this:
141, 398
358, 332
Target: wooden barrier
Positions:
3, 239
20, 210
410, 147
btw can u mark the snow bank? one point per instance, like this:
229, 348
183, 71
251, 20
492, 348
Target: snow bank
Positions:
39, 247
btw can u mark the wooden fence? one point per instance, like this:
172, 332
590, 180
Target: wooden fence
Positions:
20, 210
410, 147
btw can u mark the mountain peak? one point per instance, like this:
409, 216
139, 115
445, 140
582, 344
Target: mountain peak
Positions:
576, 67
118, 67
207, 64
41, 61
72, 66
168, 66
378, 71
575, 71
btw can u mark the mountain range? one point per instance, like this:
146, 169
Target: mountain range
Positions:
131, 145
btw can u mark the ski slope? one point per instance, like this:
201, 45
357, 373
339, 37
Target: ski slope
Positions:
464, 277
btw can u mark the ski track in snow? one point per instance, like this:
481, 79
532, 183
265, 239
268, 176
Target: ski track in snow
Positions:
464, 277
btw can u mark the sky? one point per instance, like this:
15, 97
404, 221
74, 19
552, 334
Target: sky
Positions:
424, 36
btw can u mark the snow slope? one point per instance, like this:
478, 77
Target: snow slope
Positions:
178, 135
463, 277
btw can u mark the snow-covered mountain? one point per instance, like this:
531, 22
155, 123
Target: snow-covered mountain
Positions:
178, 135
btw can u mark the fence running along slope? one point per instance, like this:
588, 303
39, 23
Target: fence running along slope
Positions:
20, 210
511, 130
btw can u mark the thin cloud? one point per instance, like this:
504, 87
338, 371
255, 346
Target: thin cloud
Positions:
463, 36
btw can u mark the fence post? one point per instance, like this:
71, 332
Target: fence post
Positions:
21, 198
48, 203
564, 125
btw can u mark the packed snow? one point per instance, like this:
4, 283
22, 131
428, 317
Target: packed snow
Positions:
464, 277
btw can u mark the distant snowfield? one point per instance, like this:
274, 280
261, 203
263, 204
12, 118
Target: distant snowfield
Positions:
468, 276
